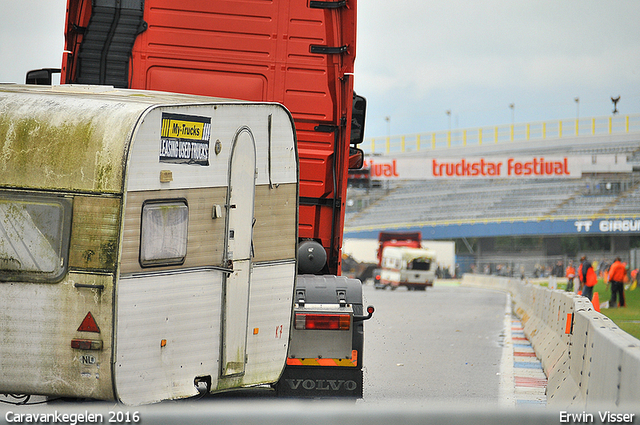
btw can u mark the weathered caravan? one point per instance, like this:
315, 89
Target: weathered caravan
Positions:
148, 242
410, 267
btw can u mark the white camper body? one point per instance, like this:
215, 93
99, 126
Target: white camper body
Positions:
410, 267
148, 242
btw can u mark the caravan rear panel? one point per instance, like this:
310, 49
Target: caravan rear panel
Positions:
148, 242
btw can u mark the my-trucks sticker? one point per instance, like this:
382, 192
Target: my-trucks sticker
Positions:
185, 139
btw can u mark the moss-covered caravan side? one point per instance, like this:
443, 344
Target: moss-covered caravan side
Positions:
60, 143
63, 140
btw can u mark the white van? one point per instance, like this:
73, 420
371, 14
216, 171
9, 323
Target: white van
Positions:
148, 242
410, 267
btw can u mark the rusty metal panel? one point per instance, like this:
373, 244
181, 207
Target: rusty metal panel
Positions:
95, 233
37, 324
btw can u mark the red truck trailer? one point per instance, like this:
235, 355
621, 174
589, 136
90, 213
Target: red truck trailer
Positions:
296, 52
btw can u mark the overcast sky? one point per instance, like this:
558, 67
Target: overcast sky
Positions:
418, 59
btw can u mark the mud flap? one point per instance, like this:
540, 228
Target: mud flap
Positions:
324, 381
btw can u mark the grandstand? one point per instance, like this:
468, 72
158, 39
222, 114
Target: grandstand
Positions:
481, 210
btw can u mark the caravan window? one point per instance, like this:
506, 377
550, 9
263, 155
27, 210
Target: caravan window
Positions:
163, 238
34, 240
420, 264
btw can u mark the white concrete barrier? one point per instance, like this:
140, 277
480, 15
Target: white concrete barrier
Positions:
589, 361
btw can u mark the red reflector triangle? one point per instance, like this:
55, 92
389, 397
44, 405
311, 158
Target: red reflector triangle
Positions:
89, 324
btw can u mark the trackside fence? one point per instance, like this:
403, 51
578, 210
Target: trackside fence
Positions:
589, 361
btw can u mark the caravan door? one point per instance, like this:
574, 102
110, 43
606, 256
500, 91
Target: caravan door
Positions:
240, 204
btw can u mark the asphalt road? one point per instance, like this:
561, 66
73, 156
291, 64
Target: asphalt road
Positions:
440, 345
424, 348
430, 357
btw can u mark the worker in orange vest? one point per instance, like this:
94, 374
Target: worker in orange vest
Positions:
588, 277
571, 274
617, 275
580, 277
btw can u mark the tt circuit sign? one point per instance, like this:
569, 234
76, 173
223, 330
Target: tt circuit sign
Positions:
619, 226
582, 227
425, 168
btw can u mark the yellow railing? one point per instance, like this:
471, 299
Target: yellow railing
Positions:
503, 134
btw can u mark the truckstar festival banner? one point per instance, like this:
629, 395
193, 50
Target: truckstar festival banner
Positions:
429, 168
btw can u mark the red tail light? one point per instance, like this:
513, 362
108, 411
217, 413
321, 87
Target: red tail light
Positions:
338, 322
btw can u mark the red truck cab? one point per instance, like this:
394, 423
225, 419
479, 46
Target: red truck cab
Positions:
298, 53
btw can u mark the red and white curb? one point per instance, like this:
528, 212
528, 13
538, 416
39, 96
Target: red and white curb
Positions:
523, 381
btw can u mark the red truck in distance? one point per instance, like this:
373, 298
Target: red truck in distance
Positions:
385, 239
